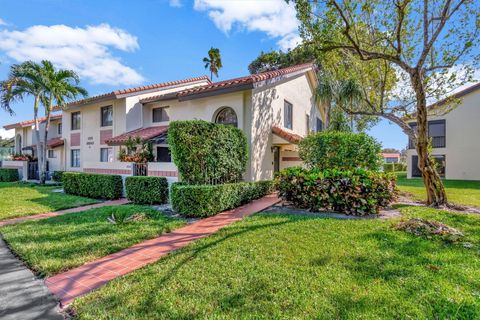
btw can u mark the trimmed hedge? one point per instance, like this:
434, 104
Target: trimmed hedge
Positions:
394, 167
208, 200
9, 175
356, 192
147, 190
208, 153
57, 176
341, 150
102, 186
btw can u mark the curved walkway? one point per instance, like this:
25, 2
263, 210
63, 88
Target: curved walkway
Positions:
62, 212
79, 281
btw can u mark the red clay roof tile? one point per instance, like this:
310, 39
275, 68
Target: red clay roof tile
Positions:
30, 122
142, 133
287, 135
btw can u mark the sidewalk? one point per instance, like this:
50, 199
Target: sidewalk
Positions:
22, 295
79, 281
62, 212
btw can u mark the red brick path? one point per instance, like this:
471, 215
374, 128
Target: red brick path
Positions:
77, 282
62, 212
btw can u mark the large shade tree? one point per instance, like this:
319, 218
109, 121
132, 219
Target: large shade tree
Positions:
49, 87
422, 50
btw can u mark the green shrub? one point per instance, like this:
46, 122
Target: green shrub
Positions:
103, 186
8, 175
148, 190
394, 167
340, 150
208, 200
207, 153
356, 192
57, 176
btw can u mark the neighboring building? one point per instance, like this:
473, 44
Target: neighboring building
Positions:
391, 157
274, 109
455, 138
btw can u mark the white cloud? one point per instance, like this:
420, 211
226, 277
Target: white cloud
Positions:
2, 22
85, 50
274, 17
175, 3
7, 133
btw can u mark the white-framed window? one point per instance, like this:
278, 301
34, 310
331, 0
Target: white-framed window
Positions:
75, 125
106, 114
59, 128
160, 114
163, 154
287, 115
75, 158
307, 124
51, 153
106, 155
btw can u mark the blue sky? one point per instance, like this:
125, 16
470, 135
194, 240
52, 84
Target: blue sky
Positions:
128, 43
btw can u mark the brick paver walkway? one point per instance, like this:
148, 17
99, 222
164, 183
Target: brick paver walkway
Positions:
77, 282
61, 212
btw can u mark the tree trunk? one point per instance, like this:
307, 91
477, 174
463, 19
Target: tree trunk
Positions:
43, 165
436, 195
37, 131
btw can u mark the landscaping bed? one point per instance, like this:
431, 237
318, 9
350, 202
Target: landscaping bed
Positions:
60, 243
19, 199
290, 266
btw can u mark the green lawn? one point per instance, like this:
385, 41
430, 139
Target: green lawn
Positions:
462, 192
57, 244
291, 267
20, 199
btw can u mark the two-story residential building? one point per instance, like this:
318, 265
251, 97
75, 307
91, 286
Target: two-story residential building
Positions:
274, 109
455, 138
26, 142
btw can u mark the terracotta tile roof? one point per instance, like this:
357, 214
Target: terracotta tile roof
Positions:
52, 143
391, 155
287, 135
114, 94
30, 122
242, 82
143, 133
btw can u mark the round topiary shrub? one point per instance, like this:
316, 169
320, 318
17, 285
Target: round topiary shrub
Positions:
207, 153
341, 150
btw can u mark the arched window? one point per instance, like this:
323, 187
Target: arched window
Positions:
227, 116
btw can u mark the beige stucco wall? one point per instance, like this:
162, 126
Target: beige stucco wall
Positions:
257, 111
267, 111
462, 152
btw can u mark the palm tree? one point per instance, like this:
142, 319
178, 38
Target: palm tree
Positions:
24, 80
62, 87
213, 62
46, 85
336, 94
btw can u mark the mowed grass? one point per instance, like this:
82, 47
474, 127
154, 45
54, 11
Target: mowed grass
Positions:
20, 199
293, 267
463, 192
57, 244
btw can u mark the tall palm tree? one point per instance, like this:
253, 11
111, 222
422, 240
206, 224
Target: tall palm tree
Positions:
213, 62
62, 87
46, 85
24, 80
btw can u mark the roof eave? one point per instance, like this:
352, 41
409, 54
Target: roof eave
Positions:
216, 91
